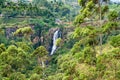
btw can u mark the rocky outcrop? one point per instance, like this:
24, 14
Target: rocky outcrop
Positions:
49, 37
9, 31
46, 39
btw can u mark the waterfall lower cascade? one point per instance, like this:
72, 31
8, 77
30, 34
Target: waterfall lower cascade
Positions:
55, 37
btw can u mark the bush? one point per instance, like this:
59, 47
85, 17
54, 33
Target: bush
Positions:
109, 27
118, 74
38, 70
12, 50
35, 77
115, 41
89, 55
113, 15
57, 76
17, 76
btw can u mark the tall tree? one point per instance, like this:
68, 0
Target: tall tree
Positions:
92, 10
41, 53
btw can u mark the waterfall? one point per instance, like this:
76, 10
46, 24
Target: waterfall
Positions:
55, 37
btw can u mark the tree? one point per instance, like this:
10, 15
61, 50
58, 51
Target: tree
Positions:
115, 41
12, 50
41, 53
17, 76
35, 77
109, 27
2, 48
40, 3
2, 3
113, 16
59, 42
92, 10
27, 47
6, 70
26, 32
39, 29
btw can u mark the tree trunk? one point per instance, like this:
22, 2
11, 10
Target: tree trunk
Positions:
100, 9
39, 61
43, 64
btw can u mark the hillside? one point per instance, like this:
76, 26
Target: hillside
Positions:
59, 40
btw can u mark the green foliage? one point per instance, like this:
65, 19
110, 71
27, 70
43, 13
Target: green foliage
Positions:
2, 48
103, 66
83, 32
58, 76
35, 77
116, 51
40, 51
24, 31
59, 42
112, 15
115, 41
4, 57
76, 47
77, 33
90, 5
117, 75
115, 7
76, 59
3, 39
38, 70
6, 70
105, 9
17, 76
2, 31
12, 50
82, 2
26, 47
89, 55
86, 12
36, 21
14, 61
78, 20
100, 65
109, 27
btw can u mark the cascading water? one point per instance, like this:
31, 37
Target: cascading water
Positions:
55, 37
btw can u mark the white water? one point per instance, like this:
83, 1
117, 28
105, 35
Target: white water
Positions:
55, 36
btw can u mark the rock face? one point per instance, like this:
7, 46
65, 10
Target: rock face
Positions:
54, 39
49, 40
51, 31
46, 39
62, 33
35, 38
9, 31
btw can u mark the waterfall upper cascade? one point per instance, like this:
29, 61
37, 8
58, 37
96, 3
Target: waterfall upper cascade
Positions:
55, 37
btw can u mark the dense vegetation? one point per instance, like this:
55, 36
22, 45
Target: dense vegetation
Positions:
89, 47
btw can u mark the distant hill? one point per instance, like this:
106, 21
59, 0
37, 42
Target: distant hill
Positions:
115, 1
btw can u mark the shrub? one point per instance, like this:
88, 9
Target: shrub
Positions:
115, 41
113, 15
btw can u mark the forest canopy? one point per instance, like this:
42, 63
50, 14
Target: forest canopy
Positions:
59, 40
